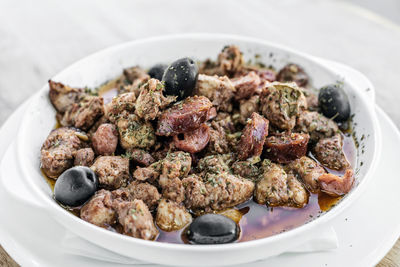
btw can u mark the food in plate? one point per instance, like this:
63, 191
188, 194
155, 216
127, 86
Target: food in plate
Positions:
200, 152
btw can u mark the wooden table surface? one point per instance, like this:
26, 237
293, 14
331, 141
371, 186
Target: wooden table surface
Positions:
40, 38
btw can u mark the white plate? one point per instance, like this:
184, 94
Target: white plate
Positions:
44, 241
39, 120
366, 230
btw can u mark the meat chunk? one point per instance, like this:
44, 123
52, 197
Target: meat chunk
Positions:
329, 151
308, 170
136, 219
172, 216
134, 73
174, 167
184, 116
316, 125
247, 107
216, 191
84, 114
281, 104
151, 100
296, 191
120, 104
105, 139
286, 147
176, 164
103, 119
230, 60
168, 171
146, 192
137, 77
293, 73
120, 195
215, 163
149, 174
84, 157
172, 189
98, 210
219, 90
277, 188
212, 113
253, 138
246, 169
218, 144
193, 141
63, 96
112, 171
265, 74
226, 121
140, 157
58, 151
311, 98
335, 185
135, 133
246, 86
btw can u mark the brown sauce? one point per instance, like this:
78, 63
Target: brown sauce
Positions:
258, 221
261, 221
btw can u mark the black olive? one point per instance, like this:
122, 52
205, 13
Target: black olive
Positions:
334, 102
75, 186
180, 78
212, 229
157, 71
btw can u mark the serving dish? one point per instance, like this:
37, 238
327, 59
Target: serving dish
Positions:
94, 70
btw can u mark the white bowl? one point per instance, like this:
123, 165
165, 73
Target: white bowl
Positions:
107, 64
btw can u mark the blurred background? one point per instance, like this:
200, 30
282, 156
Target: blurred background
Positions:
40, 38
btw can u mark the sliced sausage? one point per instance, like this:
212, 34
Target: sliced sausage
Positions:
184, 116
193, 141
253, 138
286, 147
335, 185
